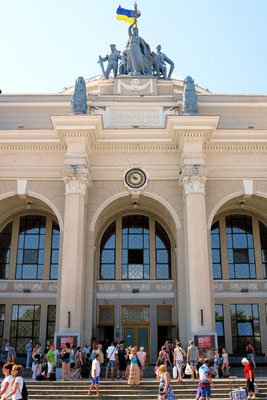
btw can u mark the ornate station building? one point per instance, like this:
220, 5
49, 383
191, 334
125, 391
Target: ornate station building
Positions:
142, 217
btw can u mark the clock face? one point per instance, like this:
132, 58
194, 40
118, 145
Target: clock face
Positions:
135, 178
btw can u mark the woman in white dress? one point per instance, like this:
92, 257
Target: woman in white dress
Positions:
16, 384
6, 383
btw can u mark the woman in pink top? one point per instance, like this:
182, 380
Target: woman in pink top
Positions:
142, 358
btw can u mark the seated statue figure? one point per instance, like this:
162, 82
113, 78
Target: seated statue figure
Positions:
160, 60
112, 57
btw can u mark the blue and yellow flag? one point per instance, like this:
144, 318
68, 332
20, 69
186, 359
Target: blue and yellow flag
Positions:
125, 15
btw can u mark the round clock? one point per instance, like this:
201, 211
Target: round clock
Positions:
135, 178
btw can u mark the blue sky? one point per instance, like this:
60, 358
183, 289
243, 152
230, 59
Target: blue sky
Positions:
47, 44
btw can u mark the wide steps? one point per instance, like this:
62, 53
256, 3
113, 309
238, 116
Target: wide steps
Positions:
119, 390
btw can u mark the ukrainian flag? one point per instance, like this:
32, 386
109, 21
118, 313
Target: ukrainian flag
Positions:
125, 15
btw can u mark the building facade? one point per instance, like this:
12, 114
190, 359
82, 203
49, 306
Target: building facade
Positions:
134, 221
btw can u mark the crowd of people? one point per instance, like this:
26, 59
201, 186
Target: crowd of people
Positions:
122, 363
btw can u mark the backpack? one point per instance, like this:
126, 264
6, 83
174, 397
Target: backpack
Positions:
24, 392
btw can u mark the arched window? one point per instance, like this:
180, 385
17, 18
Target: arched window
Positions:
163, 253
5, 244
238, 246
142, 243
27, 253
108, 253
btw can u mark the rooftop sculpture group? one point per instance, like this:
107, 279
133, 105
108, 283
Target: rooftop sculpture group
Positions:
137, 59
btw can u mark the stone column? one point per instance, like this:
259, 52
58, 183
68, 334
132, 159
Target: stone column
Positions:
200, 307
71, 302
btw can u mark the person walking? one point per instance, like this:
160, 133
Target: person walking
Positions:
192, 357
251, 353
65, 356
112, 358
134, 373
95, 373
163, 357
5, 350
16, 384
122, 361
29, 349
101, 354
6, 383
205, 380
51, 362
178, 359
141, 354
225, 366
36, 361
216, 360
165, 389
78, 363
250, 375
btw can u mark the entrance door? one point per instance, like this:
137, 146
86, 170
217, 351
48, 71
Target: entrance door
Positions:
136, 336
135, 327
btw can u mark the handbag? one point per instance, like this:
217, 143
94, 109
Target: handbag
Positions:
238, 394
64, 356
156, 368
174, 372
256, 389
188, 370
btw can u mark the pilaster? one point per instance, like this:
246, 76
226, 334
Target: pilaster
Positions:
76, 179
200, 307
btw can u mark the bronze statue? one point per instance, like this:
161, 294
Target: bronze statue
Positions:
112, 59
160, 60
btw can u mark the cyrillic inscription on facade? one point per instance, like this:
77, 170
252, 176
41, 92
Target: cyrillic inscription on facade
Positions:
134, 117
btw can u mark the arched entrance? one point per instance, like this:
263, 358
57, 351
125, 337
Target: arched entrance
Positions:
136, 280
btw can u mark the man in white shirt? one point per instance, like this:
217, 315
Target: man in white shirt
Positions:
95, 373
112, 358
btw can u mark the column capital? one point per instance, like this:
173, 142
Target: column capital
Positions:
193, 180
76, 179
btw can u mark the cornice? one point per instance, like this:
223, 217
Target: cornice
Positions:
21, 148
235, 148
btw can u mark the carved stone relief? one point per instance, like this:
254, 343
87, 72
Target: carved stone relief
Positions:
52, 287
106, 287
128, 287
164, 287
33, 287
3, 286
76, 180
238, 286
218, 287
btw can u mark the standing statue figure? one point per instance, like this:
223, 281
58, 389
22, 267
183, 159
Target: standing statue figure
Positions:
135, 56
190, 100
123, 64
160, 60
112, 59
79, 101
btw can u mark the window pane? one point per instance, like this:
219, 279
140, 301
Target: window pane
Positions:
30, 255
107, 271
25, 325
240, 247
163, 253
245, 326
135, 245
108, 252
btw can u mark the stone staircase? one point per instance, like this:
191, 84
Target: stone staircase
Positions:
119, 390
